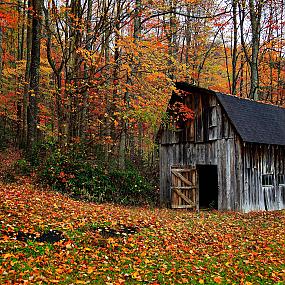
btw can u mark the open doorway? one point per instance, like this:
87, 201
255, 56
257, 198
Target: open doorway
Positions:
208, 186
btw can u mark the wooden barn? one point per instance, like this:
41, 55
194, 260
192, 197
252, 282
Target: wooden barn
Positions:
230, 156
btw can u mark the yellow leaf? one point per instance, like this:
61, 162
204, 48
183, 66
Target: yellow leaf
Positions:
201, 281
69, 246
135, 275
59, 270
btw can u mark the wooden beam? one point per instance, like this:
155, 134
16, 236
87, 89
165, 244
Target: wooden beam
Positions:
177, 174
181, 207
185, 198
185, 187
183, 169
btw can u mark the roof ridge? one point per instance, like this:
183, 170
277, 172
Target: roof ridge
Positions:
249, 99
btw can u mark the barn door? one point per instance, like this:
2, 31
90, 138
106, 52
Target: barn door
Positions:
184, 192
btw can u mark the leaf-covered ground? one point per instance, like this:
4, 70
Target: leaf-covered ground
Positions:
109, 244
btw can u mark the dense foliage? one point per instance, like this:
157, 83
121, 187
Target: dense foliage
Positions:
82, 176
72, 173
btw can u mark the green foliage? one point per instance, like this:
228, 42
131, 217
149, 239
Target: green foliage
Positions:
132, 188
22, 167
70, 172
39, 152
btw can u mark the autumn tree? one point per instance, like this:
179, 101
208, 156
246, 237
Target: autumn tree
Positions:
101, 72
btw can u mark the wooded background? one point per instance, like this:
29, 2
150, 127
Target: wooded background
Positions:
101, 72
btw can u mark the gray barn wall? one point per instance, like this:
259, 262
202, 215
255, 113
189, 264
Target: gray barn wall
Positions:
223, 153
258, 160
240, 165
199, 144
239, 176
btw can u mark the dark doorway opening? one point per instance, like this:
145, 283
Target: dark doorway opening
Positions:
208, 186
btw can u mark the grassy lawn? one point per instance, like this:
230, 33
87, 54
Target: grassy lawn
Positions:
110, 244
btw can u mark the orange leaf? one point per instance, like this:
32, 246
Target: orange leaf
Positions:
218, 279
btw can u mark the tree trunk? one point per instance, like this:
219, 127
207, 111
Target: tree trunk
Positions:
255, 10
1, 56
234, 49
172, 38
27, 75
20, 57
34, 74
84, 109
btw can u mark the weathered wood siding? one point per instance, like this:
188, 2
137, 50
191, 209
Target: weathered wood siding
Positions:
208, 140
206, 125
261, 160
211, 139
224, 153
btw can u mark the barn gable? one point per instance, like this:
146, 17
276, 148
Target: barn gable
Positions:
255, 122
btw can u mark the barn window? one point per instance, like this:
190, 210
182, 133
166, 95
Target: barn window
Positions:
267, 179
212, 116
281, 179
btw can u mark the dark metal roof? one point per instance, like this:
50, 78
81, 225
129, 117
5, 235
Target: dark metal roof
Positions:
254, 121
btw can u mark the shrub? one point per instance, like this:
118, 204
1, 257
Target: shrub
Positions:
22, 167
131, 187
70, 172
40, 151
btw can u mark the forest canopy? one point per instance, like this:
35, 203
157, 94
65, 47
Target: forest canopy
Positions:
102, 72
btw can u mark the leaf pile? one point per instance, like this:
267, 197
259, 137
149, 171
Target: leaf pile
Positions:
109, 244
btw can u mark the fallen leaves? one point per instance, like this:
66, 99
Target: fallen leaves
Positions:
217, 279
108, 244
